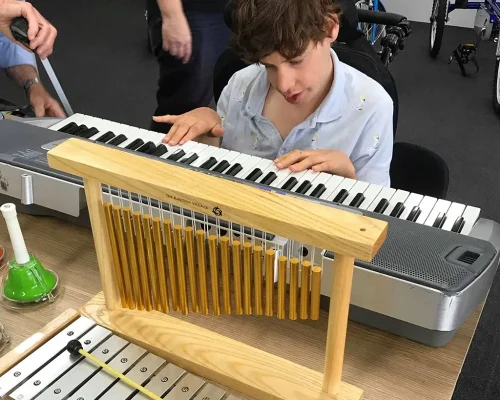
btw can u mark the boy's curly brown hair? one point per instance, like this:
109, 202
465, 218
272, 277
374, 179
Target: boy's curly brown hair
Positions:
263, 27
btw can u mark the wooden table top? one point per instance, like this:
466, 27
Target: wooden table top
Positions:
385, 366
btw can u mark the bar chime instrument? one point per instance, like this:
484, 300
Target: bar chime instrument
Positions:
171, 240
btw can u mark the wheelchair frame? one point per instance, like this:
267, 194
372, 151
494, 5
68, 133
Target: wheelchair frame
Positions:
440, 15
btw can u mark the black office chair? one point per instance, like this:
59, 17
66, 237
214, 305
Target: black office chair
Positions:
413, 167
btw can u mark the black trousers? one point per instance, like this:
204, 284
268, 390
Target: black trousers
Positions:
184, 87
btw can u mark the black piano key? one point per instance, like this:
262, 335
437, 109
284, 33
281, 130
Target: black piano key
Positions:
254, 175
192, 158
106, 137
304, 187
160, 150
458, 225
118, 140
269, 178
147, 148
73, 129
381, 206
177, 156
290, 184
358, 199
80, 130
438, 223
67, 127
397, 210
234, 170
135, 144
318, 191
414, 214
222, 166
89, 133
341, 196
209, 163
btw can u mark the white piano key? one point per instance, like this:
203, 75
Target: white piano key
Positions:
141, 372
385, 193
204, 155
331, 185
230, 157
198, 148
319, 179
359, 187
412, 201
83, 370
262, 165
281, 175
471, 215
38, 382
186, 147
303, 176
162, 382
440, 207
399, 197
426, 206
76, 118
454, 212
24, 369
218, 154
186, 388
346, 184
370, 193
248, 163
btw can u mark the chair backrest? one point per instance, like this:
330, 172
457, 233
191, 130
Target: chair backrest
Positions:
351, 47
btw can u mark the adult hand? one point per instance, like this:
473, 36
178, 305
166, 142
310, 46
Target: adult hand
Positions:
331, 161
188, 126
41, 33
43, 103
176, 36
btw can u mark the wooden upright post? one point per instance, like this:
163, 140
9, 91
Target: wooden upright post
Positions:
93, 193
343, 268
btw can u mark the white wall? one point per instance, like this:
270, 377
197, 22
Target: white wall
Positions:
420, 11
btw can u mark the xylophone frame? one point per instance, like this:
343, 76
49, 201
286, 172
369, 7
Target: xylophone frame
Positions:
212, 356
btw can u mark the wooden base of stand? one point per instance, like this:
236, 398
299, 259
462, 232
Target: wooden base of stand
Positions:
215, 357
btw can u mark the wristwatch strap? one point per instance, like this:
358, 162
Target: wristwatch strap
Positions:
30, 82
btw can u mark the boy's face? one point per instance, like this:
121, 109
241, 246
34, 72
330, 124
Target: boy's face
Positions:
302, 79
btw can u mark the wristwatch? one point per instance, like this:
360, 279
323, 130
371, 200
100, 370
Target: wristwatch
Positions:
30, 82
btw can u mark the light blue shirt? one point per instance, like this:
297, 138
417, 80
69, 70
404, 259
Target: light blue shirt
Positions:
356, 117
12, 55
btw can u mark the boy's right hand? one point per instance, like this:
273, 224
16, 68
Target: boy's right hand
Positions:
190, 125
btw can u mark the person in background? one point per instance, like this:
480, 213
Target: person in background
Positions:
186, 37
19, 63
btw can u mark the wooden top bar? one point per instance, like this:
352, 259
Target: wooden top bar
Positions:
325, 227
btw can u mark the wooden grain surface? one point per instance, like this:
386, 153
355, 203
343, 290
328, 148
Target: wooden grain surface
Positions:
386, 367
318, 225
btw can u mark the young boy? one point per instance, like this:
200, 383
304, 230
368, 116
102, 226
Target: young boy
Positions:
297, 104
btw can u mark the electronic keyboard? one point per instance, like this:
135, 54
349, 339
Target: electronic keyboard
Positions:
434, 269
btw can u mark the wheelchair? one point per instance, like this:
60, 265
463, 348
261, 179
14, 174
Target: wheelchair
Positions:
413, 167
486, 26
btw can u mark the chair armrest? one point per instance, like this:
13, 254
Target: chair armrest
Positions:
380, 17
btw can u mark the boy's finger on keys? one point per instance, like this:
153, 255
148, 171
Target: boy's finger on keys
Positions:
307, 163
166, 118
170, 133
179, 134
290, 158
193, 132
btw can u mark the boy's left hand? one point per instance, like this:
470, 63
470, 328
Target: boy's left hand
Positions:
331, 161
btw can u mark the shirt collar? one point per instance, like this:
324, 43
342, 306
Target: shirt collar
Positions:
329, 110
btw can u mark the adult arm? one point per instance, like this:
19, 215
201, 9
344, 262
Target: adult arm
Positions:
41, 33
176, 34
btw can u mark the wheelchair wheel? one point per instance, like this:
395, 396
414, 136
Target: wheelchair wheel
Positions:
496, 88
438, 20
